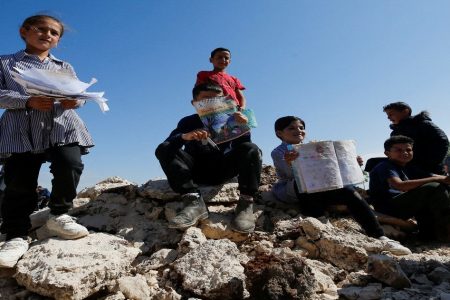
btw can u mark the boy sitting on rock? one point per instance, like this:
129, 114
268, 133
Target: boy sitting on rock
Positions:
404, 191
188, 161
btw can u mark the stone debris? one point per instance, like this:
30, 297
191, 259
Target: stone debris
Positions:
388, 271
75, 269
130, 252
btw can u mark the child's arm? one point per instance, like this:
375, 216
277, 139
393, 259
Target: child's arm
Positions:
240, 96
41, 103
407, 185
10, 99
197, 134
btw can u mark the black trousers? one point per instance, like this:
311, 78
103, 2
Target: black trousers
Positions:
314, 205
429, 204
21, 179
184, 172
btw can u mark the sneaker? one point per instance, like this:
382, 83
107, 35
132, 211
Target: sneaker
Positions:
394, 247
11, 251
65, 227
244, 220
194, 210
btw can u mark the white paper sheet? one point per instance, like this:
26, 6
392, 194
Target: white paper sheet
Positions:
57, 84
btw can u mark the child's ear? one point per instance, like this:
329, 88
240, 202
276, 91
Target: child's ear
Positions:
22, 32
386, 153
210, 60
192, 101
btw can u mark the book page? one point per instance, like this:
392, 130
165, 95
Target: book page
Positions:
317, 166
351, 172
217, 114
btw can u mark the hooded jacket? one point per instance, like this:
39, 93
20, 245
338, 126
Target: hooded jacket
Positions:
430, 142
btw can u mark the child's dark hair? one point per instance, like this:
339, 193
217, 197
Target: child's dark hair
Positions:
33, 20
283, 122
397, 139
205, 87
219, 50
398, 106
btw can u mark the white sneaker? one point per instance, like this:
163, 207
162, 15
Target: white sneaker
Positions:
11, 251
394, 247
65, 227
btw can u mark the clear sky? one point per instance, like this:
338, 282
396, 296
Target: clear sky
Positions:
333, 63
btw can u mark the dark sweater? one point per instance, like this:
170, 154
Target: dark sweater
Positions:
196, 148
430, 142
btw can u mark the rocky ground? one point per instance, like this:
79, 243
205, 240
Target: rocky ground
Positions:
131, 254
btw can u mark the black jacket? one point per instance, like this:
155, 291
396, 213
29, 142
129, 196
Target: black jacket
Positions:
430, 142
197, 148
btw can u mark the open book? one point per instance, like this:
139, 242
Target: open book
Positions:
326, 165
217, 114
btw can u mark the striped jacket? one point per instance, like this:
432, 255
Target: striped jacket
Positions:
29, 130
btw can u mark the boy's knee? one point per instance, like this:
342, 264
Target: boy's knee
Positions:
252, 151
162, 150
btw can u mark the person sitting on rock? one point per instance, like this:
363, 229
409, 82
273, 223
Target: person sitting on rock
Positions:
430, 142
187, 161
404, 191
291, 131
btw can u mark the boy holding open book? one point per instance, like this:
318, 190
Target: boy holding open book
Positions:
291, 131
189, 157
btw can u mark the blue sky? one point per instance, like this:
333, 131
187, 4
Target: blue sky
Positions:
333, 63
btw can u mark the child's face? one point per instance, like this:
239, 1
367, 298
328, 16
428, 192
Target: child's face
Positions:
221, 60
395, 116
207, 95
400, 153
293, 134
41, 36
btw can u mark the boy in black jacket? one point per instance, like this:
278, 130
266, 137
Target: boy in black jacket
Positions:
430, 142
200, 162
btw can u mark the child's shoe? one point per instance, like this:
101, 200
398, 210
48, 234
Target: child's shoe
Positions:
244, 220
394, 247
65, 227
194, 210
11, 251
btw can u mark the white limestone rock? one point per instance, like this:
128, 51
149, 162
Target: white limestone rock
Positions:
160, 189
134, 287
218, 226
74, 269
115, 214
191, 239
324, 285
157, 188
385, 269
157, 260
337, 246
213, 270
111, 184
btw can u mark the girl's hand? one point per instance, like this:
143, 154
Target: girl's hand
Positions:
240, 117
198, 135
70, 104
290, 156
41, 103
